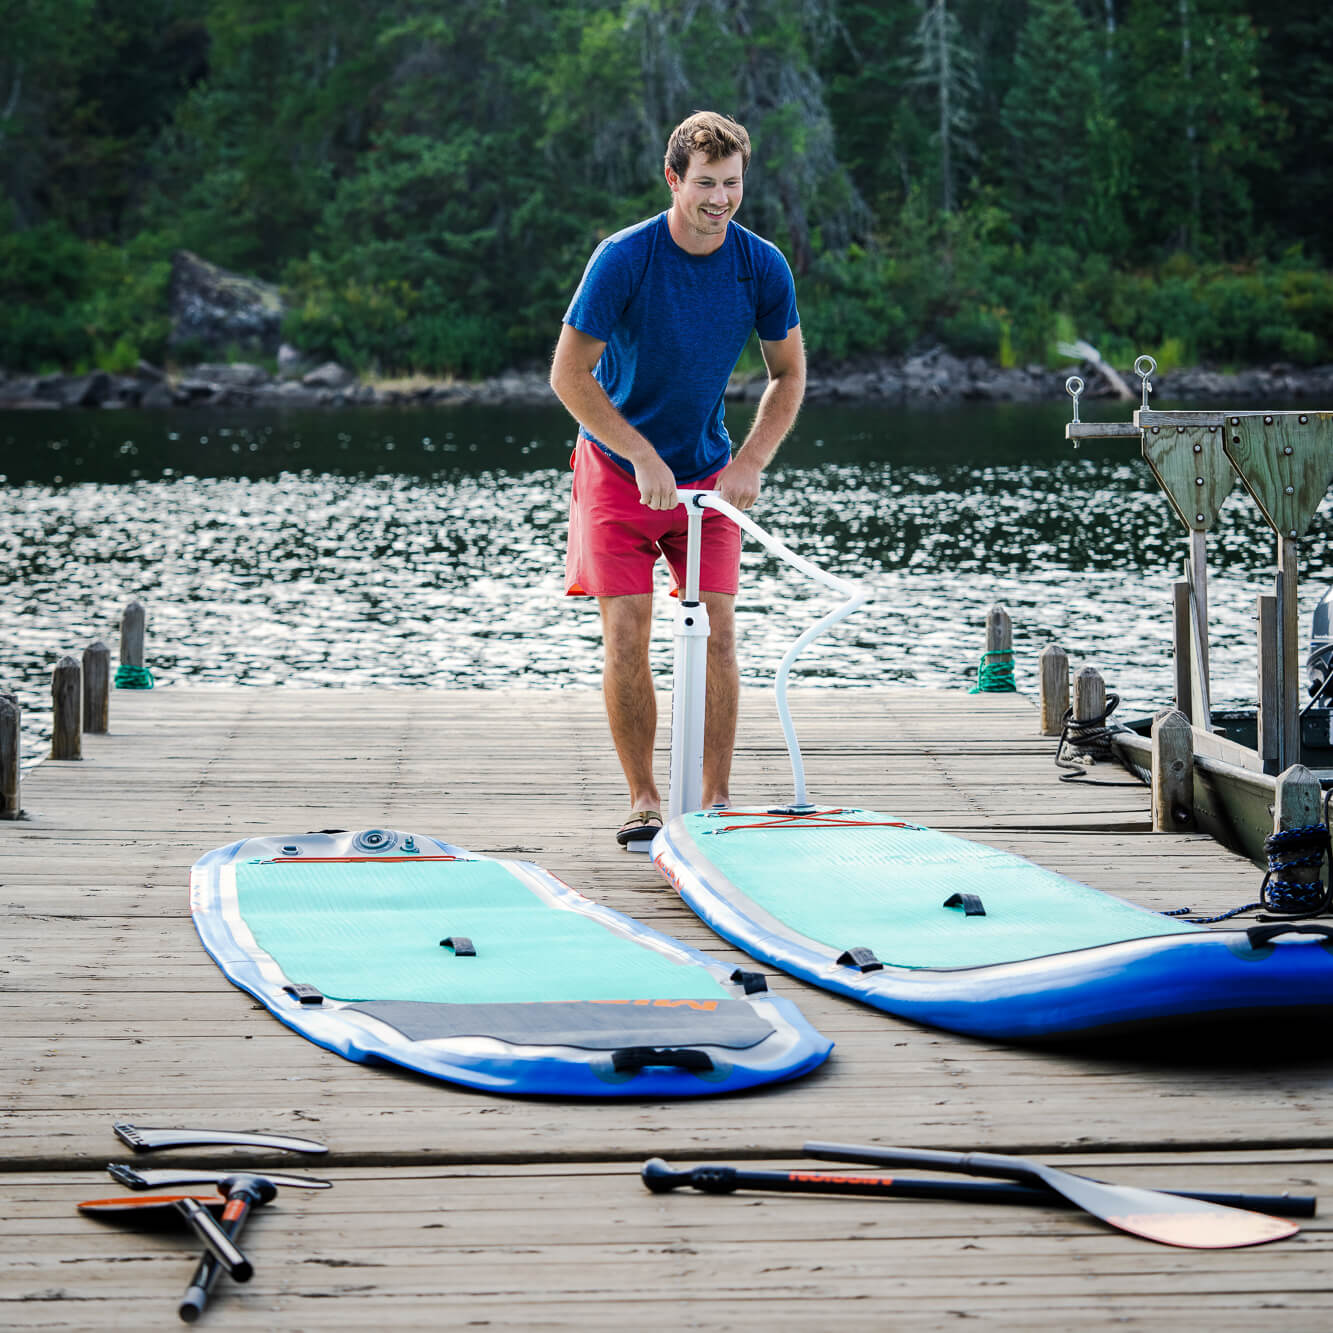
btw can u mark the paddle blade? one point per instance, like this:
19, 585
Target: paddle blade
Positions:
1219, 1229
1168, 1218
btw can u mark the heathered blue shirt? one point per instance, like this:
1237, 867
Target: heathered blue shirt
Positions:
675, 325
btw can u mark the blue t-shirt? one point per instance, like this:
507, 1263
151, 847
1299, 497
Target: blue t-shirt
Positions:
675, 325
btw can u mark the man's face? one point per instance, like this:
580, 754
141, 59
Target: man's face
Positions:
709, 194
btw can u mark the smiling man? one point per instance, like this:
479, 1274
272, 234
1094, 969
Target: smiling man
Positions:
648, 345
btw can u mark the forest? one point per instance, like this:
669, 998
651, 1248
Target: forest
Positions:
425, 179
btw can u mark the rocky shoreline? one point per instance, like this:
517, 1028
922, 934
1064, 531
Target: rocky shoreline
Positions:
931, 376
212, 309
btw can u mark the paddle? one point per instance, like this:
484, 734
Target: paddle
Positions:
711, 1179
242, 1192
1170, 1219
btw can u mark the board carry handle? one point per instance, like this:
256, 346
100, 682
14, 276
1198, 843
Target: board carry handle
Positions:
1261, 935
631, 1059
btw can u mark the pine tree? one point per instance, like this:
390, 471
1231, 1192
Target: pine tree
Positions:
945, 69
1053, 101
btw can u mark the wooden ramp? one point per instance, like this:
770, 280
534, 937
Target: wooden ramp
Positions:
454, 1207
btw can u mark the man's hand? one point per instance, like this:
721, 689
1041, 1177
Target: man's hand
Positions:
657, 484
738, 483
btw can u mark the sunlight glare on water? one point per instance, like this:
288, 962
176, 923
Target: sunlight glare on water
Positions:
364, 548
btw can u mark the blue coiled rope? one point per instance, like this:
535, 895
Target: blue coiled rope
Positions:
1287, 850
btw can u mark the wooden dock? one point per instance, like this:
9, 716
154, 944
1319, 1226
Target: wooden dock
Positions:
455, 1208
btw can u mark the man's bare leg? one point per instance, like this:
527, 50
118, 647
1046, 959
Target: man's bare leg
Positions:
724, 688
627, 686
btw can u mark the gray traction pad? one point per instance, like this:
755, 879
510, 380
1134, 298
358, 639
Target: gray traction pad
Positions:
588, 1025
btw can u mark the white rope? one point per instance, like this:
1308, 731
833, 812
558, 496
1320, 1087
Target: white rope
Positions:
857, 594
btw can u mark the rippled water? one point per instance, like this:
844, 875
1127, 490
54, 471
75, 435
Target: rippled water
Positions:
425, 547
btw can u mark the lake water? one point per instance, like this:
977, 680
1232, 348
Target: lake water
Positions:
424, 547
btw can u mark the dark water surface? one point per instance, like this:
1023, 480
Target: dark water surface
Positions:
425, 546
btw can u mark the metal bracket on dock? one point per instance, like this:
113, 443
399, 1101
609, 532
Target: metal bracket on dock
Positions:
1285, 462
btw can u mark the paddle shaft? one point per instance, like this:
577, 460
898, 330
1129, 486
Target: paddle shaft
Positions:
242, 1194
725, 1179
216, 1239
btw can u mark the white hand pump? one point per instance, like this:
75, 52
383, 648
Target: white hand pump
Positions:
691, 666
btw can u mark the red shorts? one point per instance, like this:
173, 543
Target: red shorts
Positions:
615, 539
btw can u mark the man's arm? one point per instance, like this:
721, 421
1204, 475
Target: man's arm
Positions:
576, 355
739, 482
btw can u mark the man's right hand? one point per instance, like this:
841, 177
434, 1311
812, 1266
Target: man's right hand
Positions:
657, 484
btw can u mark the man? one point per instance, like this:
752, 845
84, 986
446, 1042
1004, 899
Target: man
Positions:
649, 341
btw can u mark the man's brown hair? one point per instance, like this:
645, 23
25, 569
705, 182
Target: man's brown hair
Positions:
708, 132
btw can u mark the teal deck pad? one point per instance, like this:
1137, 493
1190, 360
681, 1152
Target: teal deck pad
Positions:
881, 884
340, 936
372, 929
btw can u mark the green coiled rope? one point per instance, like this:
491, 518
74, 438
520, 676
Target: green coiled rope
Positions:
995, 677
133, 677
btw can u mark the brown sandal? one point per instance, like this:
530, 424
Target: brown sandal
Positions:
639, 829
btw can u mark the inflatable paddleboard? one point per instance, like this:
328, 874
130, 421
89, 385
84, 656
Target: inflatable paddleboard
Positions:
394, 947
962, 936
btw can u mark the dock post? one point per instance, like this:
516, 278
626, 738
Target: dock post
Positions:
96, 688
1089, 696
1298, 803
132, 627
1269, 700
1182, 647
11, 805
132, 674
1054, 662
1172, 772
996, 673
67, 710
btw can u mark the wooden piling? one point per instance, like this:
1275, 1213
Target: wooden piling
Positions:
1298, 803
999, 631
96, 688
1172, 772
1182, 647
132, 627
1089, 695
1270, 706
11, 804
1054, 663
67, 710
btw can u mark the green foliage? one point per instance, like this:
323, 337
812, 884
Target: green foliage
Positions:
66, 302
427, 180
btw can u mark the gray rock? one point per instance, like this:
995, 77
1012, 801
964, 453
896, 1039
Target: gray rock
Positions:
75, 390
328, 376
147, 371
290, 360
239, 375
157, 396
290, 393
219, 309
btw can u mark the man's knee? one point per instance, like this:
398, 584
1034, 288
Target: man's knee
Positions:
626, 629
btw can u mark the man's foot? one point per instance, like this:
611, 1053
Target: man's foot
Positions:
639, 829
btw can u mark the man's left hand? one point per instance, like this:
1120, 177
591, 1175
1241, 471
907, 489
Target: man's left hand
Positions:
739, 483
